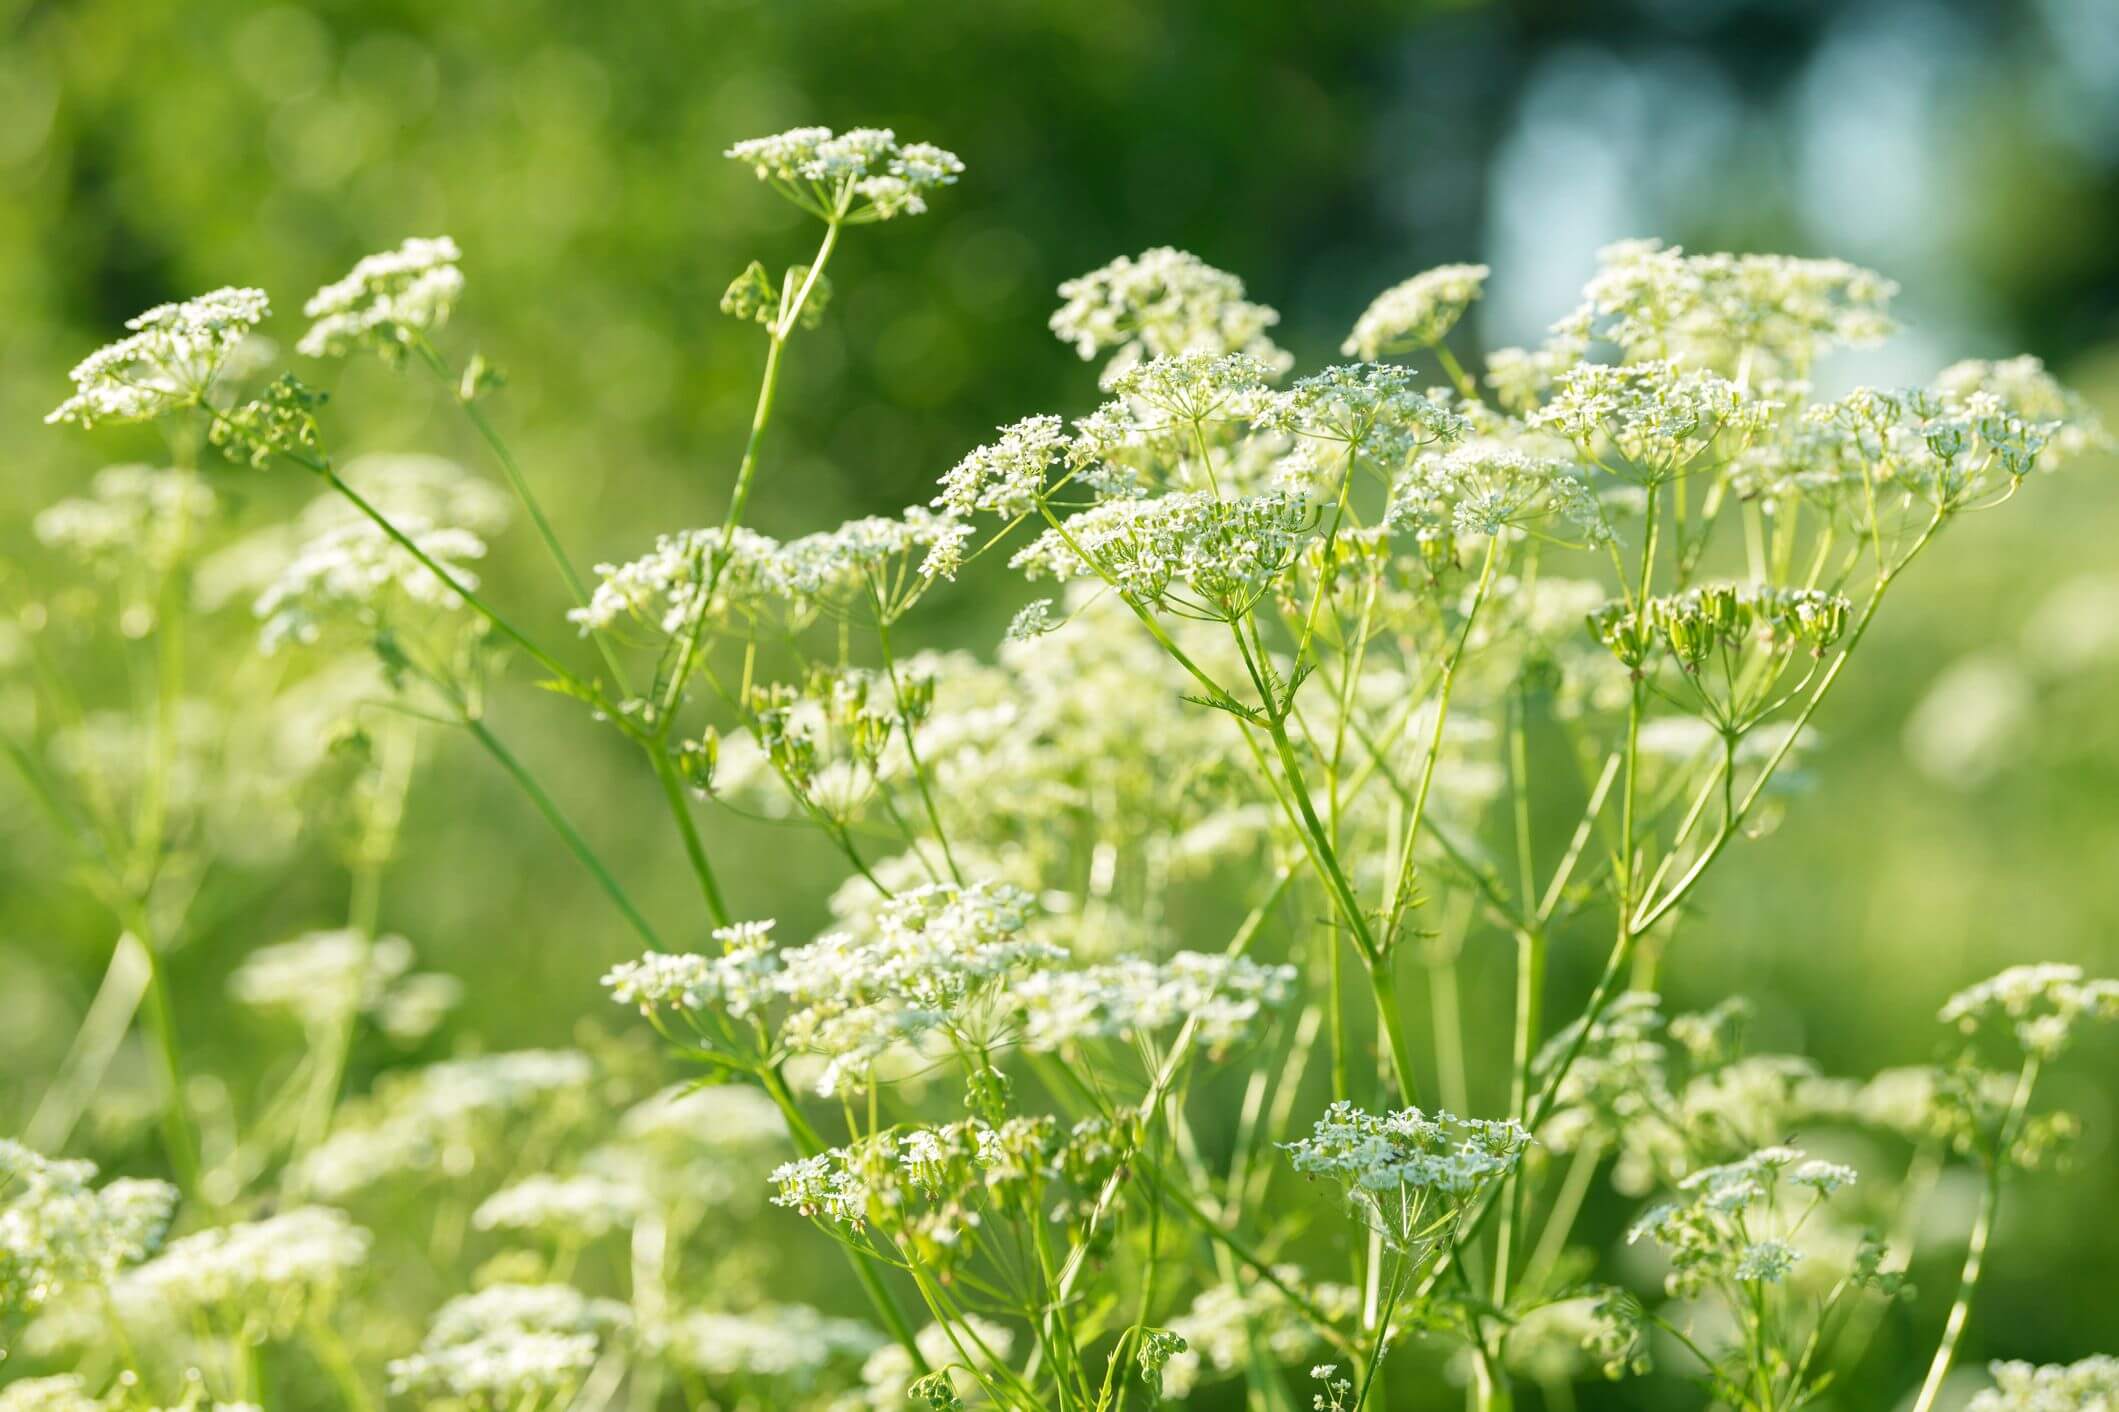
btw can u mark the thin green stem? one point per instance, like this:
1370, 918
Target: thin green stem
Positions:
1976, 1245
568, 834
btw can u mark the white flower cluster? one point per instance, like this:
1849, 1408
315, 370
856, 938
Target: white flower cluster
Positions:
860, 174
354, 572
321, 978
387, 301
873, 562
1225, 997
440, 1117
1484, 487
2041, 1003
1229, 553
1659, 416
791, 1344
1408, 1174
133, 516
925, 959
570, 1210
333, 566
1662, 303
170, 359
1451, 1155
2091, 1385
1418, 313
1161, 303
1006, 476
509, 1345
1363, 403
59, 1231
1729, 1223
289, 1262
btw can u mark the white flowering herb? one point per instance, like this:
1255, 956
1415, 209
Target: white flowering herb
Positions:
1401, 662
170, 361
387, 302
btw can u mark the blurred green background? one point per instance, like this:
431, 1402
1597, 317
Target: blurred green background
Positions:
1963, 813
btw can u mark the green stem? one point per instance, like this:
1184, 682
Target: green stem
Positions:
575, 843
1976, 1247
809, 1142
426, 561
179, 1136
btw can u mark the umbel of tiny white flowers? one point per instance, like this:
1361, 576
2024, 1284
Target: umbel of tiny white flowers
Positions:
861, 175
1409, 1174
387, 302
1162, 303
169, 361
2091, 1385
1416, 314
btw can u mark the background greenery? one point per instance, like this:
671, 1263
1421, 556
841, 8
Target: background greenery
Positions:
153, 148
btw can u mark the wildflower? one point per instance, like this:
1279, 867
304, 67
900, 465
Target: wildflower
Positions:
1409, 1174
571, 1210
1659, 417
1007, 476
320, 978
133, 516
1766, 1262
1418, 313
510, 1344
1223, 997
449, 1115
64, 1392
388, 302
1352, 402
1228, 553
669, 587
1483, 488
1032, 620
860, 175
1161, 303
2092, 1385
169, 361
1661, 303
2042, 1004
290, 1262
58, 1232
357, 573
1194, 386
792, 1344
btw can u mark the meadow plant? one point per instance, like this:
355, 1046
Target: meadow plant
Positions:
1336, 646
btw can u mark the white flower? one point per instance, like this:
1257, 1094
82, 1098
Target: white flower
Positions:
356, 573
2043, 1002
287, 1261
1223, 996
169, 361
1766, 1261
387, 301
132, 516
1006, 476
576, 1209
889, 178
2091, 1385
509, 1343
1161, 303
64, 1392
791, 1342
57, 1231
1416, 314
442, 1115
321, 977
